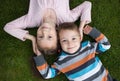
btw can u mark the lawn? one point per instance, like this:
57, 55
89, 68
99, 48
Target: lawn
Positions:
16, 63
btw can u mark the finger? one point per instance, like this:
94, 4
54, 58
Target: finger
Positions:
81, 36
37, 50
34, 49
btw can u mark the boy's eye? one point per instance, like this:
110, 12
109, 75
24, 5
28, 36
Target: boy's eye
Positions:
73, 38
64, 40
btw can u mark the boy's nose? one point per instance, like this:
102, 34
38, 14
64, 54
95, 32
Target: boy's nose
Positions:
70, 43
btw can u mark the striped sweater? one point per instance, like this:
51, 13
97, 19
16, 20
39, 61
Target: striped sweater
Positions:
83, 65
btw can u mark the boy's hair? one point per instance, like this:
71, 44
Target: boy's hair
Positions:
68, 26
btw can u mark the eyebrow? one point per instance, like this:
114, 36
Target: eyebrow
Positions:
72, 36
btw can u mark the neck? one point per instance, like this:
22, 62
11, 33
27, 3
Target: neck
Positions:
49, 17
49, 21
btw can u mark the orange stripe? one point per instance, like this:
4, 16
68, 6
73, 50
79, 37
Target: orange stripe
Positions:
54, 66
78, 63
105, 77
42, 66
99, 38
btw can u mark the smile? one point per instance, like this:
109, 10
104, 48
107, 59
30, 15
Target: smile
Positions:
71, 47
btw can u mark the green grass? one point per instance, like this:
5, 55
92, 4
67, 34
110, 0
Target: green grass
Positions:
16, 56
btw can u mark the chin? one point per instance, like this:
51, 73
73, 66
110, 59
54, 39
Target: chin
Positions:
71, 52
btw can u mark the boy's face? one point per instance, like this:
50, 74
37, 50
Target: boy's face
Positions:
70, 40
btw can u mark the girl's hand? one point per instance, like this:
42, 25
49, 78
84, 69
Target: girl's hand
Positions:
35, 47
81, 34
34, 43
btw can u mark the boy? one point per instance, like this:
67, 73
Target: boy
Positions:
77, 60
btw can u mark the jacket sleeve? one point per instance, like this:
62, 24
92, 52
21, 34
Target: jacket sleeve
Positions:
45, 70
102, 44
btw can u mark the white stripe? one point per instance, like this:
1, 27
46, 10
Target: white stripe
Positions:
62, 57
99, 78
49, 74
43, 71
106, 46
90, 73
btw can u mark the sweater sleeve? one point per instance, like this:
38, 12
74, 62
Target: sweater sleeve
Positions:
45, 70
16, 28
86, 12
102, 44
83, 11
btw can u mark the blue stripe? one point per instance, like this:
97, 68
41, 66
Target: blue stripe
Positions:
85, 43
63, 54
100, 47
53, 72
84, 71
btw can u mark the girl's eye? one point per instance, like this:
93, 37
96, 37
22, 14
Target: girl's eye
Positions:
49, 36
40, 36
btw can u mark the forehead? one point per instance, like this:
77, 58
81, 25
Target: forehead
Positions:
68, 31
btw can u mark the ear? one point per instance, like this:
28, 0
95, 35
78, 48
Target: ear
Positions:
80, 38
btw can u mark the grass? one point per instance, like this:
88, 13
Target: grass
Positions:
16, 56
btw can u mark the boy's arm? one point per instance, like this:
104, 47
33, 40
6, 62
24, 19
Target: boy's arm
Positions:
45, 70
102, 44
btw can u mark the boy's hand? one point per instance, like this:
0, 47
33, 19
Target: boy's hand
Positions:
87, 29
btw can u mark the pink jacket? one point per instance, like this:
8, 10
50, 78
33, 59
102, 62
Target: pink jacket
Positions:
36, 10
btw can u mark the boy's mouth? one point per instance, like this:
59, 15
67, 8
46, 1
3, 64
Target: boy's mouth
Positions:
71, 47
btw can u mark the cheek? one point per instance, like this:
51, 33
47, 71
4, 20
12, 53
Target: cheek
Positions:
78, 41
64, 46
39, 29
39, 33
39, 43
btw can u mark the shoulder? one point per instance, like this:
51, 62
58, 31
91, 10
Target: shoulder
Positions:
88, 44
85, 43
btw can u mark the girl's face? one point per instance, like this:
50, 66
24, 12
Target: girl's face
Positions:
69, 40
46, 36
